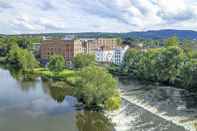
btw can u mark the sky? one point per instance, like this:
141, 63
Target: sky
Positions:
50, 16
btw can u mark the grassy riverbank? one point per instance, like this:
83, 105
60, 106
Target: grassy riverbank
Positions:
65, 75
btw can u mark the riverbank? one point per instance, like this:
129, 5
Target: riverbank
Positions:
67, 75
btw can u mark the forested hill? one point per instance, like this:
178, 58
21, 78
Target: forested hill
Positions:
163, 34
158, 34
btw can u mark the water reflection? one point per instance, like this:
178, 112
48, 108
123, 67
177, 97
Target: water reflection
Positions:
58, 94
93, 121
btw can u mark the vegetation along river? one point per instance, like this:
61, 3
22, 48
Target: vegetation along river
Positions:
34, 106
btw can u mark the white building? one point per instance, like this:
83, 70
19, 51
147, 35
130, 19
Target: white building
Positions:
114, 56
118, 55
104, 55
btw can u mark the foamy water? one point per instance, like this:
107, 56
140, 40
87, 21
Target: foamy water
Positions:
174, 119
154, 108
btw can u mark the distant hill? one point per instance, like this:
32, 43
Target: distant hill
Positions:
163, 34
158, 34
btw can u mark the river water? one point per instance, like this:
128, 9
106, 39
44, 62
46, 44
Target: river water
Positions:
177, 106
34, 106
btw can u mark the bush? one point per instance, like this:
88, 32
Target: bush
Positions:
56, 63
83, 60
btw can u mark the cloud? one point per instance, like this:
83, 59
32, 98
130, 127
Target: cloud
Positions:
176, 10
46, 5
22, 16
4, 5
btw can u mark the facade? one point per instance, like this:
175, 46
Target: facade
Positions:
68, 48
118, 54
114, 56
92, 45
104, 56
102, 48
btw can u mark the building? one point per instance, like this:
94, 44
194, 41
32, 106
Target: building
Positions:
68, 48
104, 56
91, 45
114, 56
118, 54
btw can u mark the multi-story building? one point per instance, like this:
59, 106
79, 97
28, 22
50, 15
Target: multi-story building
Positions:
92, 45
68, 48
104, 56
118, 54
114, 56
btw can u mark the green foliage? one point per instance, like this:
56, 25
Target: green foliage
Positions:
66, 75
56, 63
119, 41
188, 74
173, 41
83, 60
113, 103
171, 65
187, 47
95, 87
21, 58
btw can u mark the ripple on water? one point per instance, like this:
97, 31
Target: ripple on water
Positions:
133, 118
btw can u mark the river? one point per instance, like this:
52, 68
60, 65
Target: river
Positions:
34, 106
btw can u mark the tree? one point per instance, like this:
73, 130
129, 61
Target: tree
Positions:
168, 64
95, 87
119, 41
187, 47
21, 58
56, 63
173, 41
83, 60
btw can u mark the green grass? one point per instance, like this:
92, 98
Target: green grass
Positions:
67, 75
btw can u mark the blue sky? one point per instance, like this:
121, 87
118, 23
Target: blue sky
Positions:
39, 16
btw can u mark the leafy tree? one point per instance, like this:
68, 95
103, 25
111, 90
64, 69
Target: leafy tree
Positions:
56, 63
95, 87
21, 58
168, 64
83, 60
173, 41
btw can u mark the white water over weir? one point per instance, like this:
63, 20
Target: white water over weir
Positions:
154, 108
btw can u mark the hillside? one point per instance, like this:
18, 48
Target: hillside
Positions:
158, 34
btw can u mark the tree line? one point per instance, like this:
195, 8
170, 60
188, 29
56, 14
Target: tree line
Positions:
172, 64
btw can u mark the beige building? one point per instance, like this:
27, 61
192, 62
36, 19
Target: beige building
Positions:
92, 45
